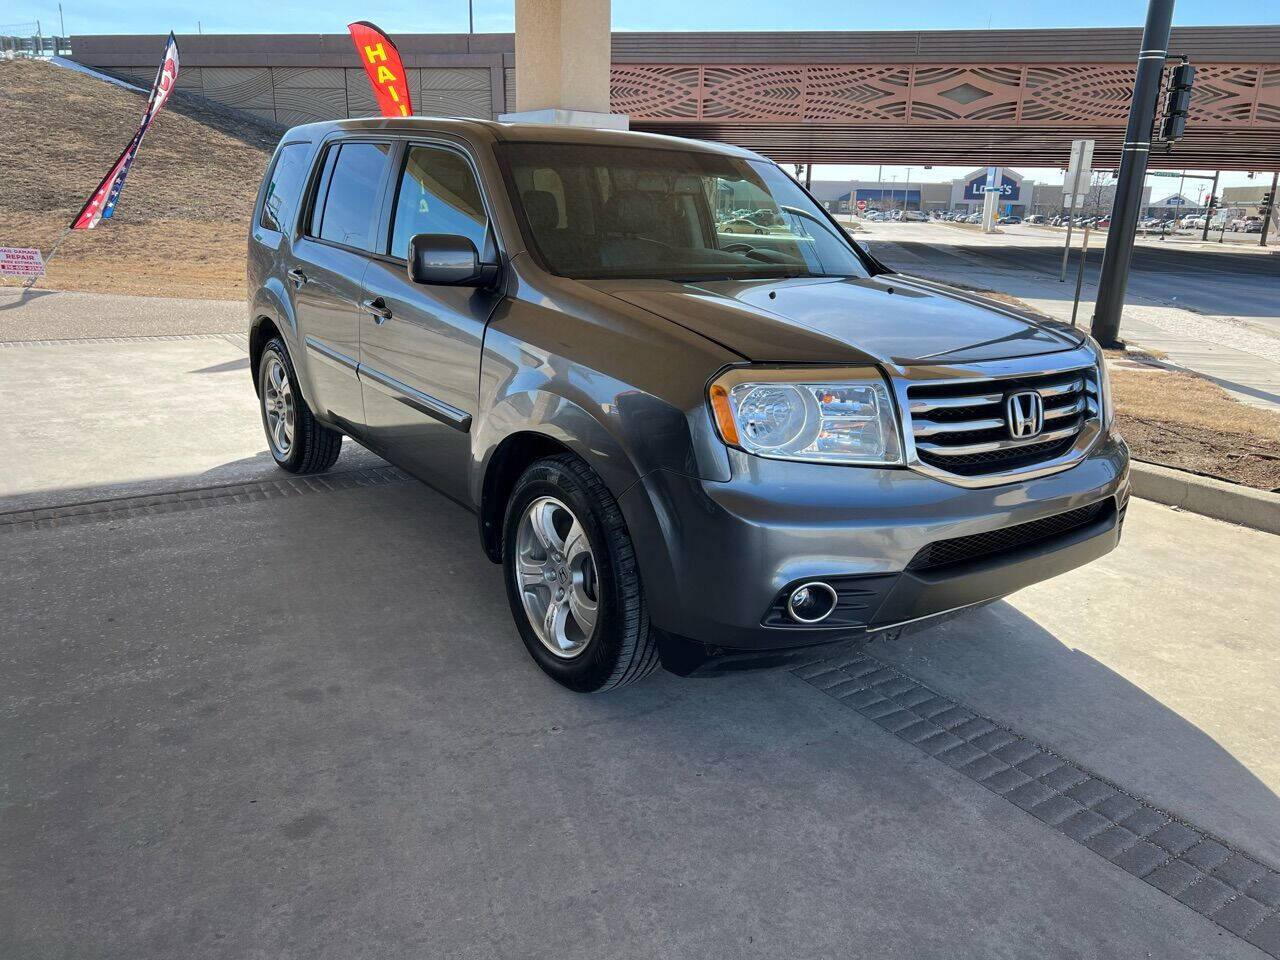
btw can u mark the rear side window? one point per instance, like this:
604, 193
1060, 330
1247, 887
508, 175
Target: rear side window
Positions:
282, 189
437, 194
348, 209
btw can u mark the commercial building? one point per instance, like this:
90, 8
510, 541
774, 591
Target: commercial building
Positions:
961, 194
1246, 200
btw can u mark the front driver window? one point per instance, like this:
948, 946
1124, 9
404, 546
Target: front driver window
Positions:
437, 194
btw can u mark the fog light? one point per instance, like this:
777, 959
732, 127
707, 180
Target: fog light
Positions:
811, 602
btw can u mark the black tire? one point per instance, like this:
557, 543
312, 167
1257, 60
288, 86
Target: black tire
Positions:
313, 448
621, 648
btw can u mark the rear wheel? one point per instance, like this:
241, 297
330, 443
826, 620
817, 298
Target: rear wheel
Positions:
572, 580
298, 442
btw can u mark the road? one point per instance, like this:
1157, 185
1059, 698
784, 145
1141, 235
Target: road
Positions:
247, 716
1209, 281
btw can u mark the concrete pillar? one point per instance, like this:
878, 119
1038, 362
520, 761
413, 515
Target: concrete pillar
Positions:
562, 63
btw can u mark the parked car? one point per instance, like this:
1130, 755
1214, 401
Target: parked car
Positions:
1009, 220
740, 225
914, 216
680, 449
1248, 224
1036, 218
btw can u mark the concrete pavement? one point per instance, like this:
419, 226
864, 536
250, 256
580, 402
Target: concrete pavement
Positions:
62, 315
131, 416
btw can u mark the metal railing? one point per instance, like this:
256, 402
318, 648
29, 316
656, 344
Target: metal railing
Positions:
27, 41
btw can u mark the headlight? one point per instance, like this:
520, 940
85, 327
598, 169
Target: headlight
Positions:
1104, 385
832, 416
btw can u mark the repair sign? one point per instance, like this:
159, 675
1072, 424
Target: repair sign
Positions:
21, 262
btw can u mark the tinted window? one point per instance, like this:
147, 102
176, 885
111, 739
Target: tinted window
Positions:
437, 194
282, 190
350, 205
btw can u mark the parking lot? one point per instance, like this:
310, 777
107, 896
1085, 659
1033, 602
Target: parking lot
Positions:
247, 715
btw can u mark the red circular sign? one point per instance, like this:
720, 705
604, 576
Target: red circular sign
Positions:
862, 204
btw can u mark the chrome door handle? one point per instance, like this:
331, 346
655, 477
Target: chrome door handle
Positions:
297, 276
378, 307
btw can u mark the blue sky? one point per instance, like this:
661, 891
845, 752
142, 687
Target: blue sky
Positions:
326, 16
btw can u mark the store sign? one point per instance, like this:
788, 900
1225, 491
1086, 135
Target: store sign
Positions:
976, 188
21, 262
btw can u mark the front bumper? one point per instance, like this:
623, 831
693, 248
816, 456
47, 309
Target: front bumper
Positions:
715, 557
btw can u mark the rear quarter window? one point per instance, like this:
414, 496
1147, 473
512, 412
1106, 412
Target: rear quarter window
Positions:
283, 185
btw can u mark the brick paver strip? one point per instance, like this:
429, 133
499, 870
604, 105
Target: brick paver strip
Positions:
242, 342
181, 501
1233, 889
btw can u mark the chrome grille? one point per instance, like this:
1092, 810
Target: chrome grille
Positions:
960, 427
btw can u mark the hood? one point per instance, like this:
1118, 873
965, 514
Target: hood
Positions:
888, 318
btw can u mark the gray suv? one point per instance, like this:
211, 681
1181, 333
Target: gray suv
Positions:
685, 444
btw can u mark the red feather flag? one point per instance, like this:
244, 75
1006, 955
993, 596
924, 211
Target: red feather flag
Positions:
102, 202
382, 63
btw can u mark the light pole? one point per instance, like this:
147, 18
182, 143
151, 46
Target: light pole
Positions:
906, 191
1133, 169
1208, 211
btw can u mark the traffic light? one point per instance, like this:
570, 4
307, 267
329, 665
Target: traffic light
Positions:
1178, 102
1267, 199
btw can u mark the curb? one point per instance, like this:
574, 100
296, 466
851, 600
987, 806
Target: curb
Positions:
1206, 496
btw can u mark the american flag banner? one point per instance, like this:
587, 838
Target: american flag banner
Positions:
102, 203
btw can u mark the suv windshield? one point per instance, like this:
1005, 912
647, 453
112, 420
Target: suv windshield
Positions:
634, 212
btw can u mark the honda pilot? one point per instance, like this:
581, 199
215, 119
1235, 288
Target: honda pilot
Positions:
685, 445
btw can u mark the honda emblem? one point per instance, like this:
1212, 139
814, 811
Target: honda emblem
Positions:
1024, 412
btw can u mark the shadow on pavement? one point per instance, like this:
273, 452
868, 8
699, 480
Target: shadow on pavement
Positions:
241, 364
21, 296
308, 727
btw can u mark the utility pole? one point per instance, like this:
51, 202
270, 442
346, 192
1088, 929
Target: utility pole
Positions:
1208, 210
1133, 169
62, 27
471, 16
880, 187
1271, 209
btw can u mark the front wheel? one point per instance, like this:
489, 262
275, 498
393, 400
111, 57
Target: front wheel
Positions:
572, 580
298, 442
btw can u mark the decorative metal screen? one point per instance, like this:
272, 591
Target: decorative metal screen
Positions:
1090, 94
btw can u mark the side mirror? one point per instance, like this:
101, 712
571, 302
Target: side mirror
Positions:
445, 259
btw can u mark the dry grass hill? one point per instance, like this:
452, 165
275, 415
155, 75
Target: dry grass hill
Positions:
181, 226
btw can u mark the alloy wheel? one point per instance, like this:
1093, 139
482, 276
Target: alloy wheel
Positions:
278, 406
555, 575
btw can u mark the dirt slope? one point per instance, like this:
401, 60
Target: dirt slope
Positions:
180, 228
